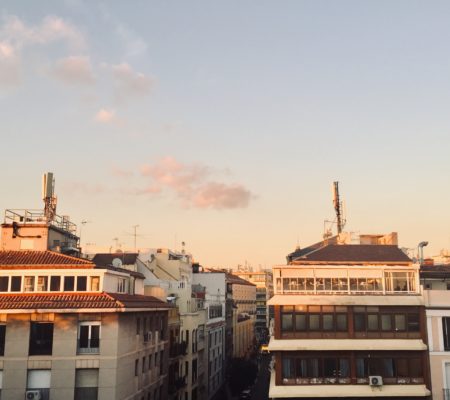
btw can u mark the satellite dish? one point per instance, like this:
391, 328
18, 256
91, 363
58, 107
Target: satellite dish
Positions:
117, 263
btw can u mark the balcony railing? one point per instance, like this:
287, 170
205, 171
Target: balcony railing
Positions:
91, 346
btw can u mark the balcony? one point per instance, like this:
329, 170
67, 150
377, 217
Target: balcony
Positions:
90, 346
177, 349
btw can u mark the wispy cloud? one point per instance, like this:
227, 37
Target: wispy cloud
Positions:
193, 185
129, 82
15, 35
74, 70
104, 116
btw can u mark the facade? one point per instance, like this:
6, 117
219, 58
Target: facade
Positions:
349, 322
169, 275
435, 280
71, 330
215, 285
264, 291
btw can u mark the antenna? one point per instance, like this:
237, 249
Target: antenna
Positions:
48, 195
340, 220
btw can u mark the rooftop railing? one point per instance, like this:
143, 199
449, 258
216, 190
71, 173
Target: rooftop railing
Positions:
30, 216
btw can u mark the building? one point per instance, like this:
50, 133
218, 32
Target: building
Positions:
349, 322
264, 291
215, 297
71, 330
169, 275
435, 280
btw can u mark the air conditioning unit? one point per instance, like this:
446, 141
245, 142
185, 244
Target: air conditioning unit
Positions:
33, 395
375, 380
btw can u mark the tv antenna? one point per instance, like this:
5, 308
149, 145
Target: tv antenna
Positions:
135, 235
338, 207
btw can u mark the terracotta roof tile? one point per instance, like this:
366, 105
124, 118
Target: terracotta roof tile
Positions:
40, 259
55, 301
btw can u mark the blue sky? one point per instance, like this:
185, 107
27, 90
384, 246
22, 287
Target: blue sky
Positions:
223, 124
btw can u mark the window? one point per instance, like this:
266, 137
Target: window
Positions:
400, 322
446, 332
89, 337
314, 322
42, 283
328, 322
386, 322
372, 322
86, 384
95, 283
39, 379
143, 364
138, 326
16, 283
360, 322
4, 281
41, 338
2, 339
121, 285
286, 322
341, 322
81, 283
69, 283
413, 323
28, 285
136, 367
55, 283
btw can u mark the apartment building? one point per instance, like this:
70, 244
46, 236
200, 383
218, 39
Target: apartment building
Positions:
435, 280
169, 275
349, 322
71, 330
263, 280
215, 285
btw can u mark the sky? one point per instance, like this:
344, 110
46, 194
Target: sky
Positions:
224, 124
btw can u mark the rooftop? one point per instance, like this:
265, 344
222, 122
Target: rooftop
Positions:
352, 254
105, 259
27, 259
59, 301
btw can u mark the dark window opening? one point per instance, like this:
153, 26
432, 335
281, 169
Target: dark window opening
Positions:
41, 338
55, 283
69, 283
4, 280
81, 283
16, 283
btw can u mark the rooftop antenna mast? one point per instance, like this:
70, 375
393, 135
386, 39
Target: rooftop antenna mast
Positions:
48, 195
338, 207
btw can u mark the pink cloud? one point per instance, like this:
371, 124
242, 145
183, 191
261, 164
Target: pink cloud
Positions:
130, 82
192, 185
74, 70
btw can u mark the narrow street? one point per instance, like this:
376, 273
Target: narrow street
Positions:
260, 390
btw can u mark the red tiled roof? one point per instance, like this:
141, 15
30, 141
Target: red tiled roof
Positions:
59, 301
23, 259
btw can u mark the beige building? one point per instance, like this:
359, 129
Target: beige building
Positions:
70, 330
169, 275
349, 322
435, 280
263, 280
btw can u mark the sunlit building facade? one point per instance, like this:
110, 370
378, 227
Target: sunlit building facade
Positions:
349, 322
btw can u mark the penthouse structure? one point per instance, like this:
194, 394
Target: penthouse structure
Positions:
349, 322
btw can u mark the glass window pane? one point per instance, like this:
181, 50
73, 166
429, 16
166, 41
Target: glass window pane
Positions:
42, 283
313, 368
344, 368
286, 322
55, 283
81, 284
28, 285
327, 320
4, 280
300, 322
16, 283
314, 322
288, 368
95, 335
341, 322
69, 283
300, 368
361, 368
388, 368
372, 322
386, 322
95, 283
329, 367
415, 368
401, 365
400, 322
309, 283
360, 322
84, 336
413, 323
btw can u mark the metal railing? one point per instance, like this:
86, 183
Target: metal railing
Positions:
25, 216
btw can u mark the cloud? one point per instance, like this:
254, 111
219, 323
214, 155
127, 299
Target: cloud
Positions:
121, 173
15, 35
105, 116
129, 82
221, 196
192, 185
74, 70
10, 66
134, 44
51, 29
